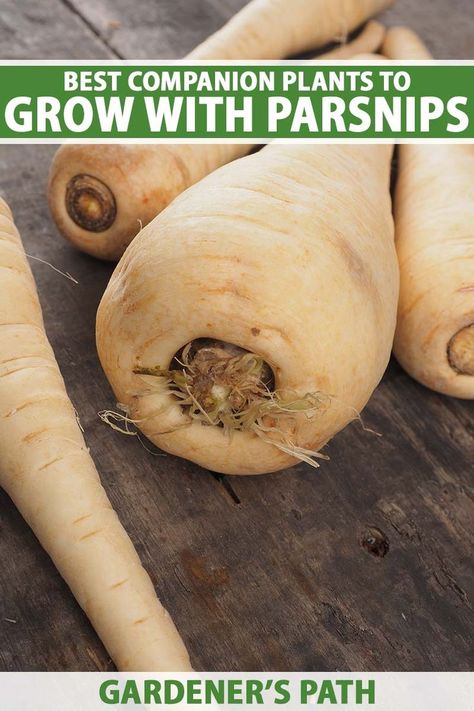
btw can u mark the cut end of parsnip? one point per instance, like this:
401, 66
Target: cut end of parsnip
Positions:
90, 203
461, 351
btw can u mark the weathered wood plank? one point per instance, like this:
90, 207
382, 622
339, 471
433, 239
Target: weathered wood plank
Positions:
156, 30
411, 608
171, 28
276, 572
46, 30
446, 27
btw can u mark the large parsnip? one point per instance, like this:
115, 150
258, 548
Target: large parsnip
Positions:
287, 254
434, 218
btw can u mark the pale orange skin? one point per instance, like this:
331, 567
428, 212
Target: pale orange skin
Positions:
434, 220
434, 214
288, 254
46, 468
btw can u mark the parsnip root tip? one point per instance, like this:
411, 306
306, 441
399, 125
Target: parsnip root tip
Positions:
90, 203
461, 351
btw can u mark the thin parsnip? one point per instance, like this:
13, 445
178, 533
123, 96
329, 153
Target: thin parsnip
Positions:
47, 470
403, 43
368, 41
272, 29
434, 218
99, 195
252, 319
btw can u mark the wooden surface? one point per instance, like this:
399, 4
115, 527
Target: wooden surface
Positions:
365, 564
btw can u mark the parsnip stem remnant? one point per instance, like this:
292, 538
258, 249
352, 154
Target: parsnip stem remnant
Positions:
461, 351
90, 203
222, 385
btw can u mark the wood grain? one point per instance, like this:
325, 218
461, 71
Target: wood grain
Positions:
365, 564
46, 30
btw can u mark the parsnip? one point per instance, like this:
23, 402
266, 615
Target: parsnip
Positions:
273, 29
285, 261
368, 41
99, 194
403, 43
434, 216
46, 469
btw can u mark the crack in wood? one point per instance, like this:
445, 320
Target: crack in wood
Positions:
177, 572
92, 28
228, 488
428, 556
